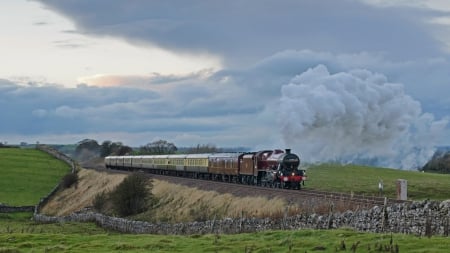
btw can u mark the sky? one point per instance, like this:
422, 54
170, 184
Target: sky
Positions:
352, 80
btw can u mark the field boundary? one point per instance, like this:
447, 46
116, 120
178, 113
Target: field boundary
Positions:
426, 218
36, 208
16, 209
58, 155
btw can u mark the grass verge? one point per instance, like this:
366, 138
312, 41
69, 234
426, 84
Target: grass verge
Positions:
364, 180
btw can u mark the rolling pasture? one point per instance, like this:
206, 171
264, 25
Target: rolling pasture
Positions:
28, 175
364, 180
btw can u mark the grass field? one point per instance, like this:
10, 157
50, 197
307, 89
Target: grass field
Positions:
28, 175
18, 234
364, 180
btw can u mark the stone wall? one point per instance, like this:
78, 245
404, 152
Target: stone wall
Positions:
418, 218
15, 209
58, 155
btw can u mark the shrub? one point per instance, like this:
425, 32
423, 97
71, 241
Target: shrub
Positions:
69, 179
132, 195
100, 201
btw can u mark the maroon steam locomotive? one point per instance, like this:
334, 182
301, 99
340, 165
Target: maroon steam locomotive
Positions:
270, 168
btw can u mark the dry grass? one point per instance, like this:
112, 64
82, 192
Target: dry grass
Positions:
178, 203
75, 198
175, 203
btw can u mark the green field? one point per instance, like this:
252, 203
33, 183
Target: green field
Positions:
364, 180
28, 175
19, 234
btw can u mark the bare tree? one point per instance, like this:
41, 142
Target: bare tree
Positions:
204, 148
114, 148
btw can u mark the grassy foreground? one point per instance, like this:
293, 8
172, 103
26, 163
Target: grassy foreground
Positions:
28, 175
364, 180
26, 236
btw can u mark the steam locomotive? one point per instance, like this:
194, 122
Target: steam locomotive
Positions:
269, 168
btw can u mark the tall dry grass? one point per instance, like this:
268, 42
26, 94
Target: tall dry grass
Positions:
174, 203
81, 195
178, 203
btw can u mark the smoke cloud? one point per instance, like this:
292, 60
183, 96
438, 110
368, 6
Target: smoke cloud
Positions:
356, 116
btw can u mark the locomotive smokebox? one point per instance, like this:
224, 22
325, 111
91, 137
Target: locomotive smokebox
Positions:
288, 151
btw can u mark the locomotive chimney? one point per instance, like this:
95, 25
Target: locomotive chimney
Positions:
288, 151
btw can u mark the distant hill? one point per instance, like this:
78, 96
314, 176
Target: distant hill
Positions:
440, 162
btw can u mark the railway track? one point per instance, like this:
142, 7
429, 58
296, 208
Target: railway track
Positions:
338, 201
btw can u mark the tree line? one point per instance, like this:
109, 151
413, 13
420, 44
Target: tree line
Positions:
439, 163
90, 148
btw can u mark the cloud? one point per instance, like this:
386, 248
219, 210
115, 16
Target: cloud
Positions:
232, 29
333, 111
356, 115
70, 44
37, 109
426, 80
165, 106
382, 75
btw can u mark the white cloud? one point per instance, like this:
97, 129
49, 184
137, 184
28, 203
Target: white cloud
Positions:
356, 115
440, 5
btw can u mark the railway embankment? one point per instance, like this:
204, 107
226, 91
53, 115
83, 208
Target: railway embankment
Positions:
424, 218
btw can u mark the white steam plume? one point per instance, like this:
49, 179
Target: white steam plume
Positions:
356, 116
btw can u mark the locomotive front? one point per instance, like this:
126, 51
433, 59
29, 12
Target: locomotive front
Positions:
288, 170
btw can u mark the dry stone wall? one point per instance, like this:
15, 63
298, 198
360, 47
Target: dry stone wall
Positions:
418, 218
15, 209
58, 155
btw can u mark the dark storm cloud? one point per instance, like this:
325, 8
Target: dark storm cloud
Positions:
242, 31
45, 109
40, 109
